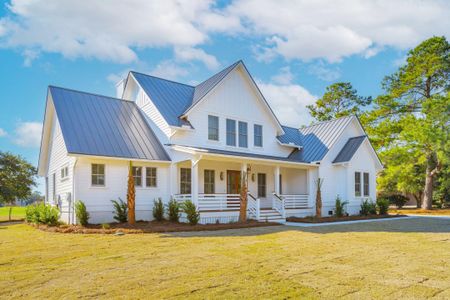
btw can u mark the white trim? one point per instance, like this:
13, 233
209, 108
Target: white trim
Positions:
292, 145
118, 158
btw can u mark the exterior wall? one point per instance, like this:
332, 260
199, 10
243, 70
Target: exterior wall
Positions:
57, 159
234, 98
98, 199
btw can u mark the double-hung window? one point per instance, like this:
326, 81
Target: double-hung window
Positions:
97, 174
185, 181
208, 185
243, 134
150, 177
366, 184
137, 175
257, 135
213, 128
357, 184
64, 173
262, 185
231, 132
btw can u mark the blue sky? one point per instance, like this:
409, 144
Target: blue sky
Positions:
294, 49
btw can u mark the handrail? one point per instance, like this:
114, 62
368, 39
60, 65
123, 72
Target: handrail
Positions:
253, 206
251, 196
278, 204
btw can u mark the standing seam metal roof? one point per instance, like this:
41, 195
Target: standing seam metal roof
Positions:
349, 149
291, 136
103, 126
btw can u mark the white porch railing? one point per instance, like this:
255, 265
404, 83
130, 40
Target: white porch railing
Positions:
278, 204
213, 202
253, 207
299, 201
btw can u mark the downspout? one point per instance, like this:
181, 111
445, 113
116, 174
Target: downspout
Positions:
73, 192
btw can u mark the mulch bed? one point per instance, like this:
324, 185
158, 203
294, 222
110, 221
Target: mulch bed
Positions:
149, 227
340, 219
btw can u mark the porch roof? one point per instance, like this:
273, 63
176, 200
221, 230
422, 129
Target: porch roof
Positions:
219, 152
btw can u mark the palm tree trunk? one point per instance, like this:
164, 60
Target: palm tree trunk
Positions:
131, 195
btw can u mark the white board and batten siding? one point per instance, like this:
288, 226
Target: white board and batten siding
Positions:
233, 98
59, 190
98, 198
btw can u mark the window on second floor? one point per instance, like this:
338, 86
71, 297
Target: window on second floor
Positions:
243, 134
257, 135
64, 173
231, 132
213, 128
137, 174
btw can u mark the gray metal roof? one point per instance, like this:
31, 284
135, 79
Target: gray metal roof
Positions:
349, 149
241, 154
171, 98
291, 136
103, 126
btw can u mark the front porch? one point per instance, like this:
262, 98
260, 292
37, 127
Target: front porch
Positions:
275, 190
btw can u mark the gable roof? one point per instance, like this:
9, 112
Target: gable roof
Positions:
349, 149
103, 126
174, 100
317, 139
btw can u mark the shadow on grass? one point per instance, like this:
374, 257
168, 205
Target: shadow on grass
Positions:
407, 225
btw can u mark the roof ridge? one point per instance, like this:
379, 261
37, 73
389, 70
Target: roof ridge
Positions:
328, 121
89, 93
290, 127
163, 79
229, 66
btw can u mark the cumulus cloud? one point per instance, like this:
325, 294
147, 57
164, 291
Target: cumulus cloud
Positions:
333, 30
321, 71
192, 54
285, 76
169, 70
3, 132
28, 134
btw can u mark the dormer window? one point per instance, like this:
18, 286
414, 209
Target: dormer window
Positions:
213, 128
231, 132
243, 134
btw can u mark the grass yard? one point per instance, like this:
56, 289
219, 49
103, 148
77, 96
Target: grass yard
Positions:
418, 211
17, 213
404, 258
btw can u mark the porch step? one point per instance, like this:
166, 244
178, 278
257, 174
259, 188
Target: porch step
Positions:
270, 215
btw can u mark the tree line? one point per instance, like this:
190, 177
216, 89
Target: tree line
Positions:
408, 124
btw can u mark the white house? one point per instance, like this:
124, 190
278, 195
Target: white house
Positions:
196, 142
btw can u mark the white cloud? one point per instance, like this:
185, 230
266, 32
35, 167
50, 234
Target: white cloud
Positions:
3, 132
169, 70
28, 134
333, 30
288, 102
284, 77
190, 54
109, 31
324, 73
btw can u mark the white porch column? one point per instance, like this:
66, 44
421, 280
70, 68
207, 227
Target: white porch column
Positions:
312, 175
194, 180
173, 179
277, 179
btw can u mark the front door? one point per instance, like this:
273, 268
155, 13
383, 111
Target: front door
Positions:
233, 182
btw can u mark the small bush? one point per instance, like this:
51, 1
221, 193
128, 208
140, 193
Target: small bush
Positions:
158, 210
383, 206
42, 214
106, 226
81, 213
340, 207
368, 208
192, 214
174, 210
396, 199
120, 211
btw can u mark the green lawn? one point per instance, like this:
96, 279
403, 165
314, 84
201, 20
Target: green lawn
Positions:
408, 258
17, 213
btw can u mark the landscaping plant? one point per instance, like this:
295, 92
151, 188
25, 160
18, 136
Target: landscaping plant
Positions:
81, 213
120, 211
340, 207
368, 207
173, 209
383, 206
158, 210
397, 199
42, 214
191, 212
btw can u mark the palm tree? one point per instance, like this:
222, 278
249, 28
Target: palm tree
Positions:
131, 196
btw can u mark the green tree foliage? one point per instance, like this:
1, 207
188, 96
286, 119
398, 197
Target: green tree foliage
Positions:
409, 124
17, 177
339, 100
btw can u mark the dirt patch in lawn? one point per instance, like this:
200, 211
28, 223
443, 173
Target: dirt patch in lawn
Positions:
149, 227
339, 219
418, 211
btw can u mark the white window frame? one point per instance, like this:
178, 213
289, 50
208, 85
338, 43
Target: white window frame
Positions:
146, 177
364, 186
141, 176
64, 173
218, 128
254, 135
98, 174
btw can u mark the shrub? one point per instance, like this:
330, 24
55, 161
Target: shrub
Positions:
383, 206
42, 214
106, 226
158, 210
174, 210
81, 213
368, 208
396, 199
120, 211
340, 207
192, 214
